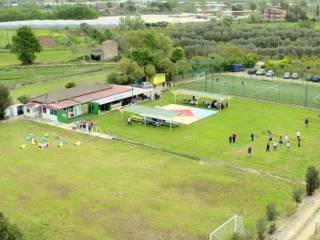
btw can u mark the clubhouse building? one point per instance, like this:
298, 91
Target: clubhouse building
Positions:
68, 105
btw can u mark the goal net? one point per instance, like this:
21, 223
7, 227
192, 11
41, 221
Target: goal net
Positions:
201, 76
228, 229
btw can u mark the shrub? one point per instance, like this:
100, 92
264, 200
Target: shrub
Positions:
70, 85
271, 212
312, 180
261, 228
23, 98
297, 195
272, 228
8, 231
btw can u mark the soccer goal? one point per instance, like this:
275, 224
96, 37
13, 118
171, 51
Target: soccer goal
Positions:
227, 229
201, 76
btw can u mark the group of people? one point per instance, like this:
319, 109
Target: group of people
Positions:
233, 138
282, 140
192, 101
272, 142
216, 104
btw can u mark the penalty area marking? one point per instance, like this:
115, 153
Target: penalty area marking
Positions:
272, 89
316, 99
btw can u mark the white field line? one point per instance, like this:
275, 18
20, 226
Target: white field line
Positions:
274, 88
316, 99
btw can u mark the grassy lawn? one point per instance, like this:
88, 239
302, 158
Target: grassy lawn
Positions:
208, 138
108, 190
47, 56
293, 92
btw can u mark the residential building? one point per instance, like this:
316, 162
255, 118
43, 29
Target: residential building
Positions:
275, 14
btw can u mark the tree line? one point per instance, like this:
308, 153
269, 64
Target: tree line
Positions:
76, 12
201, 38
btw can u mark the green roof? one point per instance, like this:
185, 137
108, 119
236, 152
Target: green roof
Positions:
155, 112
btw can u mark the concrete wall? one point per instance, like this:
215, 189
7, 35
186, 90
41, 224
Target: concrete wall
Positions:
32, 112
110, 50
49, 115
12, 111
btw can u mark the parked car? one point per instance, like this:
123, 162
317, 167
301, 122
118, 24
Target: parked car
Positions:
261, 72
270, 73
313, 78
286, 75
252, 71
143, 85
295, 75
236, 68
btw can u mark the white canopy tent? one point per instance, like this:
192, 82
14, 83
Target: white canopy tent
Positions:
151, 112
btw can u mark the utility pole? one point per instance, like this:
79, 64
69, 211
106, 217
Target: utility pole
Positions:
307, 89
8, 37
131, 79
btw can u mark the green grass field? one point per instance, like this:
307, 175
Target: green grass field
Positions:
6, 35
109, 190
290, 92
208, 138
47, 56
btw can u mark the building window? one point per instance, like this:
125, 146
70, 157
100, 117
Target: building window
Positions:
28, 110
44, 110
53, 112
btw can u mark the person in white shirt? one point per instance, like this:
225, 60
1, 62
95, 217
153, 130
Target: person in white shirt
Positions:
288, 145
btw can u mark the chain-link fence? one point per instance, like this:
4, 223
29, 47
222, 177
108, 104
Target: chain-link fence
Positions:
289, 91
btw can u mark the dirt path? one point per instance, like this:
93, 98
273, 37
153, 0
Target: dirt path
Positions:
300, 226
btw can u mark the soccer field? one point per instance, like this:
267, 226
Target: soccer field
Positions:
289, 92
110, 190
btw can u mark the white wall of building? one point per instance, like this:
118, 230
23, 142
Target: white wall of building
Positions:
49, 114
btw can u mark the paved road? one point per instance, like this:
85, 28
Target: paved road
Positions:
277, 79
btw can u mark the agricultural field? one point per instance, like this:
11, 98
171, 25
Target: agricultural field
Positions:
208, 138
35, 80
59, 46
47, 56
104, 189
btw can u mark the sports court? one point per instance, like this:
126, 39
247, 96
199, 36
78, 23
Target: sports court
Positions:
295, 92
187, 114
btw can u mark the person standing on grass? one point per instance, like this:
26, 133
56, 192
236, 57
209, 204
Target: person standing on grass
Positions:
268, 147
299, 142
270, 136
217, 79
230, 139
129, 122
288, 145
249, 150
306, 122
275, 146
242, 83
234, 138
286, 138
280, 140
252, 137
298, 135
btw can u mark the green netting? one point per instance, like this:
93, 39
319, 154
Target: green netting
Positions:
297, 92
